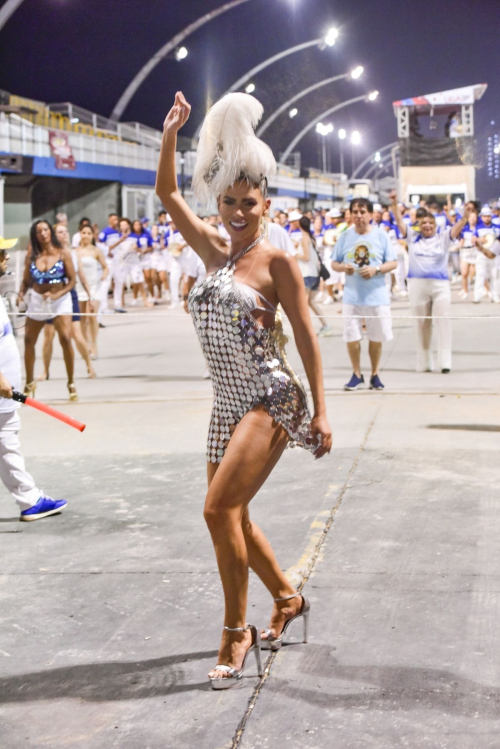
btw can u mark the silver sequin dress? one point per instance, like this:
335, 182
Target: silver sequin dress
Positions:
247, 364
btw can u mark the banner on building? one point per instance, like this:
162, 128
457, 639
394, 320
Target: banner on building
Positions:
61, 150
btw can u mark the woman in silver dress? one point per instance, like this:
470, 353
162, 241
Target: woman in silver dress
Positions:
260, 406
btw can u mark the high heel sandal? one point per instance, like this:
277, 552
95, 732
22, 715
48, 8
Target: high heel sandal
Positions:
274, 643
30, 388
234, 676
73, 395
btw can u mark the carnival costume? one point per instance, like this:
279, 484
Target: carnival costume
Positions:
247, 361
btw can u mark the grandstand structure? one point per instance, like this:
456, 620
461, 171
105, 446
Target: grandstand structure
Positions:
61, 157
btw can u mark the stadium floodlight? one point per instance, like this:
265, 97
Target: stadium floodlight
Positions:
293, 113
342, 134
373, 95
181, 53
357, 72
324, 129
356, 138
377, 156
331, 37
250, 88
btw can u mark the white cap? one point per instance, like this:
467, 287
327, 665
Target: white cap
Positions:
485, 210
453, 212
294, 216
169, 218
377, 207
334, 213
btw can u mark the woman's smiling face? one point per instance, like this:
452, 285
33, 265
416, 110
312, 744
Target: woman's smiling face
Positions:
241, 208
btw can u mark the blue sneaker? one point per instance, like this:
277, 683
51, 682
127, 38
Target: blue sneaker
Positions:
43, 508
355, 383
375, 383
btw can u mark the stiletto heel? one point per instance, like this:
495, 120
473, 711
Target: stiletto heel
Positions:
306, 624
234, 677
73, 395
30, 388
274, 643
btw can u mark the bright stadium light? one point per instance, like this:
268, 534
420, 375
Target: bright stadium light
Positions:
331, 37
250, 88
181, 53
293, 113
373, 95
377, 156
342, 134
356, 138
357, 72
324, 129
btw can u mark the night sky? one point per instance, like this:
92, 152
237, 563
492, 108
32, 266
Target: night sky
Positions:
87, 51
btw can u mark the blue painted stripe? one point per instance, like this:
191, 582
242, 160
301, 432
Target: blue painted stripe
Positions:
45, 166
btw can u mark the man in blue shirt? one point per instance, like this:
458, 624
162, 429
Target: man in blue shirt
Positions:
365, 254
107, 237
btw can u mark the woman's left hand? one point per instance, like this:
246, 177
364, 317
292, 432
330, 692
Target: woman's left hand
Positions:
321, 428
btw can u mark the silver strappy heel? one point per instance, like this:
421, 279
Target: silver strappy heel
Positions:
274, 643
234, 677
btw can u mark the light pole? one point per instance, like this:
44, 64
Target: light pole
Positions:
355, 141
172, 44
372, 156
327, 41
322, 116
354, 74
342, 137
324, 130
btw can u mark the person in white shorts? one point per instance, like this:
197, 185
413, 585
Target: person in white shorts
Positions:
468, 255
365, 254
32, 502
486, 234
428, 284
177, 249
126, 255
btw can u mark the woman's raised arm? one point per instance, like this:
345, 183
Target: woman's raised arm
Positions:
204, 239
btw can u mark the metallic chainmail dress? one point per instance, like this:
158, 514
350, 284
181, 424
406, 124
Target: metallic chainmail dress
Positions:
247, 363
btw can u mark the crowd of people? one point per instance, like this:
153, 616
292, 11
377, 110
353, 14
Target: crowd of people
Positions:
70, 284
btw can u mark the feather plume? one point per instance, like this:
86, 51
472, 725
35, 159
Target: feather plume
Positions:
229, 149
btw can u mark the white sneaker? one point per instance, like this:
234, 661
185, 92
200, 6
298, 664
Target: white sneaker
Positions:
496, 299
325, 331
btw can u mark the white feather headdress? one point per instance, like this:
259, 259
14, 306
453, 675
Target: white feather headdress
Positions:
228, 148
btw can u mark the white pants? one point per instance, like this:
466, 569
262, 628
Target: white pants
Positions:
485, 269
105, 284
401, 272
175, 278
430, 296
12, 469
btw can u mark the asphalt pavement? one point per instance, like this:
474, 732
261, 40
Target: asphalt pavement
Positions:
110, 614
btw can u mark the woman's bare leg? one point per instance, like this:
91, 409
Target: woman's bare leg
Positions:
149, 278
48, 345
310, 298
31, 333
82, 346
62, 324
84, 321
255, 448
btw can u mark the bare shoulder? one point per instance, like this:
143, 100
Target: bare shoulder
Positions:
280, 261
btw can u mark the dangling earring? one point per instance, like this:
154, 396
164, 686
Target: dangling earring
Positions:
264, 223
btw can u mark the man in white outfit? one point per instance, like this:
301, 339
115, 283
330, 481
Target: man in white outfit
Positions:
429, 284
486, 236
107, 237
33, 503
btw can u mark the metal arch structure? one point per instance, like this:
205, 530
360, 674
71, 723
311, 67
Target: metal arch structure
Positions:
370, 157
267, 123
371, 172
314, 122
174, 42
7, 10
258, 68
